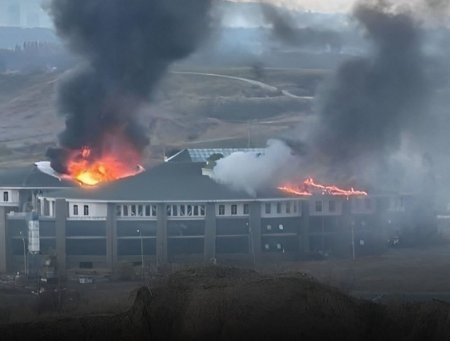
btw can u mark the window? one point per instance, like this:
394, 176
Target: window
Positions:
75, 209
332, 206
153, 210
221, 209
118, 210
189, 210
288, 207
133, 210
295, 206
86, 210
125, 210
246, 209
196, 210
182, 210
202, 210
268, 208
140, 211
174, 210
318, 206
233, 209
148, 212
169, 210
5, 196
278, 207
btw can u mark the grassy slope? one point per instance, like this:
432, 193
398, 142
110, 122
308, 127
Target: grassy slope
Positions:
186, 110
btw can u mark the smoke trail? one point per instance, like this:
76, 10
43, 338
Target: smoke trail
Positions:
127, 46
373, 101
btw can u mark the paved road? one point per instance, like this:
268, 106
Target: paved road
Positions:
262, 85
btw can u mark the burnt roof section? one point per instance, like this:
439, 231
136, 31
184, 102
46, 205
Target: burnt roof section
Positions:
170, 181
30, 177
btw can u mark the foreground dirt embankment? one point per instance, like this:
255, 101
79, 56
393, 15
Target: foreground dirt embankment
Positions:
217, 303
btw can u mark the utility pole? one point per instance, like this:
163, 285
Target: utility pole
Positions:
142, 253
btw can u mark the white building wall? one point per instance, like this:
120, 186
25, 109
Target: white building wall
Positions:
281, 208
12, 196
86, 210
232, 209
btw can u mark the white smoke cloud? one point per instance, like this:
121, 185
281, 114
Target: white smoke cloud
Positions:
253, 172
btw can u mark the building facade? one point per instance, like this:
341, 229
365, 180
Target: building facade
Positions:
175, 214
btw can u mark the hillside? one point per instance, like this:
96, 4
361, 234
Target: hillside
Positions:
190, 108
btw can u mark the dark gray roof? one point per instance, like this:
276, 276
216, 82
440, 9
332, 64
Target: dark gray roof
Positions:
30, 177
166, 182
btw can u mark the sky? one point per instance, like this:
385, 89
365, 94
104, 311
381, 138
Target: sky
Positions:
313, 5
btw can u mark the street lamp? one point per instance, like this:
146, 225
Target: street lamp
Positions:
24, 253
142, 253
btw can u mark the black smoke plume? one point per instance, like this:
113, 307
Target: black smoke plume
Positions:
127, 46
373, 101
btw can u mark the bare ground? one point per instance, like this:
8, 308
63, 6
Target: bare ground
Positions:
218, 303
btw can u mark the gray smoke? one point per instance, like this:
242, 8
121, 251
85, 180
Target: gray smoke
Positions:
127, 47
252, 172
373, 102
285, 29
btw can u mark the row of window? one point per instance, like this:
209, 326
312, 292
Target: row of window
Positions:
234, 209
186, 210
287, 207
319, 206
85, 210
357, 204
136, 210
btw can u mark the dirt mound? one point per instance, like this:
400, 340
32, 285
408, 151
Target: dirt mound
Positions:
220, 303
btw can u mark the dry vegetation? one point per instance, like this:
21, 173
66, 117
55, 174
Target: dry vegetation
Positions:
219, 303
186, 110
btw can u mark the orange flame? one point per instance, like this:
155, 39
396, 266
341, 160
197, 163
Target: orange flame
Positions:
310, 187
115, 159
107, 168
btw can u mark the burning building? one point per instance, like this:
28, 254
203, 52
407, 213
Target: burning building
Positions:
181, 215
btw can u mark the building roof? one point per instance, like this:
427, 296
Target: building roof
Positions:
170, 181
30, 177
203, 154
